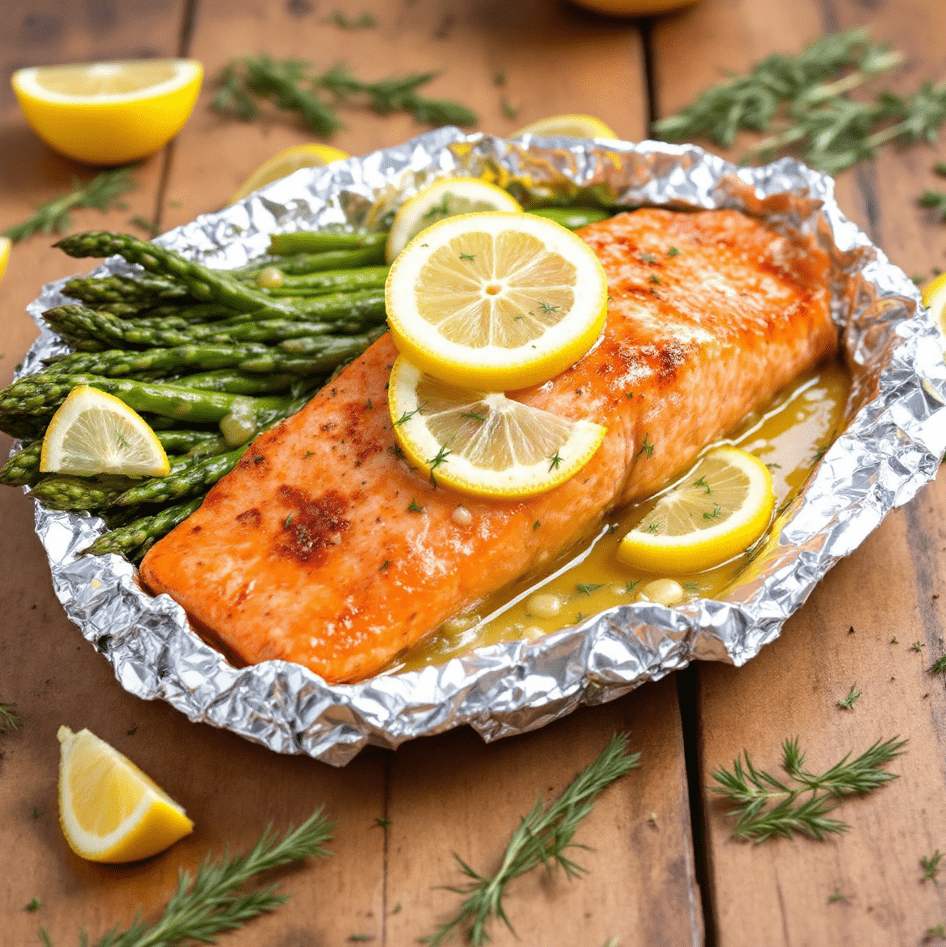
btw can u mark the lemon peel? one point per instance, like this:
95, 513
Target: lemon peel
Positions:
284, 163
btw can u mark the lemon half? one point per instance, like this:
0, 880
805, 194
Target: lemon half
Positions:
484, 443
495, 301
109, 113
94, 432
715, 512
284, 163
110, 811
445, 197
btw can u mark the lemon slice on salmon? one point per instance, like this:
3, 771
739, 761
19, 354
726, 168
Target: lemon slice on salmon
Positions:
484, 443
109, 113
568, 126
94, 432
284, 163
444, 198
715, 512
110, 811
495, 301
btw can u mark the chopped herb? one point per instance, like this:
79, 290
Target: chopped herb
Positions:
361, 22
546, 308
369, 404
917, 646
438, 210
939, 665
836, 896
630, 586
931, 865
467, 256
646, 448
287, 522
8, 718
847, 703
673, 251
382, 822
653, 278
509, 110
33, 905
132, 730
939, 930
473, 416
647, 258
406, 416
717, 509
148, 226
385, 564
587, 588
358, 938
499, 77
536, 524
414, 508
702, 483
554, 461
654, 527
308, 454
894, 640
692, 587
37, 812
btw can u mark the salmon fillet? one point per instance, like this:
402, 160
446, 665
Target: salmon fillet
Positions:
322, 547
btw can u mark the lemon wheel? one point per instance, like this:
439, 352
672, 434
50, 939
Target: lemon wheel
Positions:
567, 126
495, 301
715, 512
484, 443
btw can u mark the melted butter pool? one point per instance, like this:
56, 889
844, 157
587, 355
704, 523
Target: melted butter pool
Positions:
789, 437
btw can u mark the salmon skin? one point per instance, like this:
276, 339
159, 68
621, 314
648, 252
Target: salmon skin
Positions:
322, 547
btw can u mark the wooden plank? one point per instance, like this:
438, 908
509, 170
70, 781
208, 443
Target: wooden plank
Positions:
863, 887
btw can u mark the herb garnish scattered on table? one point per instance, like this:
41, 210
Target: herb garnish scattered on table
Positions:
103, 192
8, 718
217, 898
542, 838
766, 806
292, 85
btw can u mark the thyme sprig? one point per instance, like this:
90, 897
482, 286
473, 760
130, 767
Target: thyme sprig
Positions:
767, 806
8, 717
216, 898
542, 838
293, 85
103, 192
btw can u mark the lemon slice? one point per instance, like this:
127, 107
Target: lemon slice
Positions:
934, 298
93, 432
722, 506
284, 163
484, 443
568, 126
446, 197
110, 811
495, 301
5, 244
109, 112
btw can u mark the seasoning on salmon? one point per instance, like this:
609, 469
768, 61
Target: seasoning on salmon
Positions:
323, 548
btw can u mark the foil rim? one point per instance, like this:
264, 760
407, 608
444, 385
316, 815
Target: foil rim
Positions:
891, 446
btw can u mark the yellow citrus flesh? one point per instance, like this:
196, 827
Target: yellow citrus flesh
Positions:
483, 443
94, 432
109, 113
569, 126
722, 506
284, 163
495, 301
5, 245
446, 197
110, 811
934, 298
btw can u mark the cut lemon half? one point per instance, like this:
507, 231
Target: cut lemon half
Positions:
495, 301
109, 113
934, 298
284, 163
94, 432
446, 197
5, 244
719, 509
110, 811
568, 126
484, 443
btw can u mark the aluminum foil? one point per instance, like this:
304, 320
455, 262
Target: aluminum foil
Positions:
892, 442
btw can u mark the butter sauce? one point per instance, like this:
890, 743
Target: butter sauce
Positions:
789, 437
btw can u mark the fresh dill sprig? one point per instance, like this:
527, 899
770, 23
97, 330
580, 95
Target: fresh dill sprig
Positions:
292, 85
847, 703
216, 898
102, 192
930, 865
767, 806
8, 717
542, 838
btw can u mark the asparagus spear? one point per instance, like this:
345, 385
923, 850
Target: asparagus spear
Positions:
135, 538
22, 469
142, 288
188, 441
237, 382
196, 477
319, 241
77, 494
329, 281
204, 283
300, 263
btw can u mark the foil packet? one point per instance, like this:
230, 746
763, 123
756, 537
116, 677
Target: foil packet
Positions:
892, 441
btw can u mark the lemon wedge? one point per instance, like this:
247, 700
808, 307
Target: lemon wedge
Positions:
495, 301
443, 198
109, 113
284, 163
110, 811
484, 443
722, 506
94, 432
568, 126
934, 298
5, 244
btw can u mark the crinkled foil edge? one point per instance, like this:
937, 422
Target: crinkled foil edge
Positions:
890, 446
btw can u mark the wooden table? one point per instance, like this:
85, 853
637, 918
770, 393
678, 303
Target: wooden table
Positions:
663, 868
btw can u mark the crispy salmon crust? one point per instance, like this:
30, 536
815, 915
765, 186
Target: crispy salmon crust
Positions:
323, 548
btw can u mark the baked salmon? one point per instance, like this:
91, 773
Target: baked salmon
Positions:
324, 548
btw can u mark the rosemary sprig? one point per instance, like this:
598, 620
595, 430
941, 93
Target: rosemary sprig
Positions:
216, 899
542, 838
766, 806
292, 85
102, 192
8, 717
934, 200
